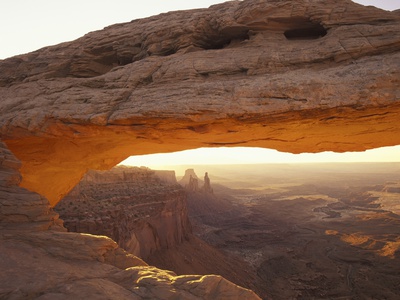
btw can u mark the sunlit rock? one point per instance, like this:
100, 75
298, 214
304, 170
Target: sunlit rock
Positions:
297, 76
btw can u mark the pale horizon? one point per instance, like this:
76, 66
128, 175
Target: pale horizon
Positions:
243, 155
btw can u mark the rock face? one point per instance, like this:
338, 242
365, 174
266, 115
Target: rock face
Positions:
147, 216
133, 206
62, 265
297, 76
19, 208
39, 261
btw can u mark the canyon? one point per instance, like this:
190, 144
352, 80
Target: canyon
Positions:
287, 231
133, 206
40, 260
145, 212
308, 231
297, 76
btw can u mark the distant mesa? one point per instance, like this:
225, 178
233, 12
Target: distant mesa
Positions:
392, 187
191, 182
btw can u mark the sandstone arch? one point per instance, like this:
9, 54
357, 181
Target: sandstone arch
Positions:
226, 75
222, 76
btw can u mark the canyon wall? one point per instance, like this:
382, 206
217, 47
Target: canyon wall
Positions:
21, 209
39, 260
145, 212
142, 212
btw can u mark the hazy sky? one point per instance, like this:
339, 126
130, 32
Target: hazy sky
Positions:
241, 155
29, 25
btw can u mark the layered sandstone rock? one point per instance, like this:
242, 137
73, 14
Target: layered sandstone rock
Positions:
133, 206
145, 212
61, 265
21, 209
298, 76
39, 261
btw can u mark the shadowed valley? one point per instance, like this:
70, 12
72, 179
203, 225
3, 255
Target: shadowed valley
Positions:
307, 231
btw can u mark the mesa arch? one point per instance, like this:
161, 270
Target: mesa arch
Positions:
296, 76
291, 75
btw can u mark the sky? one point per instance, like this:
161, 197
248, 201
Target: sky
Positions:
242, 155
29, 25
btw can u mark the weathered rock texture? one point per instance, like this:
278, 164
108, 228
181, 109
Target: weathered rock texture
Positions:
62, 265
21, 209
133, 206
145, 212
36, 263
291, 75
298, 76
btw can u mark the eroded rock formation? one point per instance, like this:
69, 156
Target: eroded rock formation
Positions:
40, 261
145, 212
191, 182
133, 206
21, 209
298, 76
207, 184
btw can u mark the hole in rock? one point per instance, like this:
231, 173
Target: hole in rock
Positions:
309, 32
223, 38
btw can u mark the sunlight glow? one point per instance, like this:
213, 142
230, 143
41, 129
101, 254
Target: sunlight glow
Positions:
243, 155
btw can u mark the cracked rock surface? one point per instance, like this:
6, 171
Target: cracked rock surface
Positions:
296, 76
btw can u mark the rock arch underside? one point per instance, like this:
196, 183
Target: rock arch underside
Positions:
296, 76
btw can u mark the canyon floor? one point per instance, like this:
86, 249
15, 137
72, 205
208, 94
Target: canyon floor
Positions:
308, 231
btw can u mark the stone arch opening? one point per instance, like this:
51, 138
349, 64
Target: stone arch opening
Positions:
63, 112
55, 163
218, 40
308, 33
300, 28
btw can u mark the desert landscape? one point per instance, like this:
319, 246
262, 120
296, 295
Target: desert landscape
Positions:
310, 231
286, 231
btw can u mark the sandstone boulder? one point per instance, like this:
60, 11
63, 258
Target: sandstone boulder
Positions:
60, 265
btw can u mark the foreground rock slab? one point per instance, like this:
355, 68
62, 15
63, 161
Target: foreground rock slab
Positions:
60, 265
